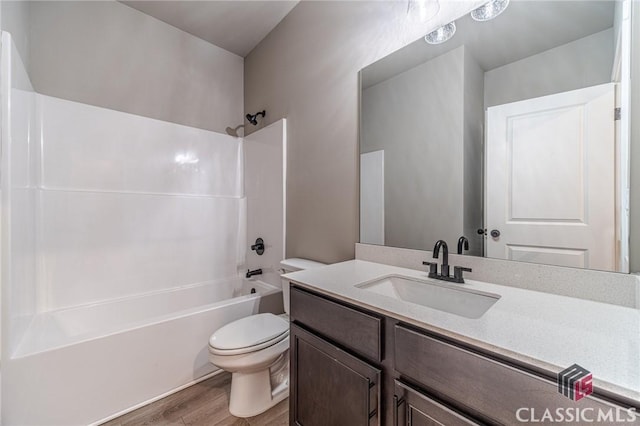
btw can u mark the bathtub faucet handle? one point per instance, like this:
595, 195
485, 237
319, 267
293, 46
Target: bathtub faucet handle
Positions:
258, 247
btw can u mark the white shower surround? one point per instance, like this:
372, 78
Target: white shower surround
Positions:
122, 240
118, 205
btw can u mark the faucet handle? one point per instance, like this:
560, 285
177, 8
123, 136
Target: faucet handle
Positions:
433, 268
258, 247
457, 273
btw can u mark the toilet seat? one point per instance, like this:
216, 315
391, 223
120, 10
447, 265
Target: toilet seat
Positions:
249, 349
249, 334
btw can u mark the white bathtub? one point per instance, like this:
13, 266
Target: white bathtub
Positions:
87, 364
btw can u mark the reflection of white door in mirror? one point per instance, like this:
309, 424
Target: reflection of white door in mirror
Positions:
372, 197
550, 179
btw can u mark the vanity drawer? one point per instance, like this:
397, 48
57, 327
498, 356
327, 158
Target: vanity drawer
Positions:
481, 386
350, 327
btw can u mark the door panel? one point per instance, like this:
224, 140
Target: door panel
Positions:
413, 408
550, 179
554, 193
547, 255
330, 387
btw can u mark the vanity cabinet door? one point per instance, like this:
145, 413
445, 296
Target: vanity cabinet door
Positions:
330, 387
413, 408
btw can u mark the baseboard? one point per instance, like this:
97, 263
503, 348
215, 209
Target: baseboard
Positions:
157, 398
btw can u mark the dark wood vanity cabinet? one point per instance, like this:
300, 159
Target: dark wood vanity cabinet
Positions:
353, 367
333, 378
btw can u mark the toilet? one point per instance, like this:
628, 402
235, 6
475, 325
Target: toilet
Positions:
255, 350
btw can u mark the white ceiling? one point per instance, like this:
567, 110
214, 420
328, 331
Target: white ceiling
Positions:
525, 28
237, 26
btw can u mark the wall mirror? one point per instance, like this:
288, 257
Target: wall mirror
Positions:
507, 134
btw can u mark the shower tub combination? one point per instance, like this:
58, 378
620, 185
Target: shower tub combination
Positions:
123, 242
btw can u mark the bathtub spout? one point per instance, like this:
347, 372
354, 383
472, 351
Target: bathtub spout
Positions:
254, 272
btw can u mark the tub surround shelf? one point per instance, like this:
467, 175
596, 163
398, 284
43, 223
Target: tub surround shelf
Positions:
541, 332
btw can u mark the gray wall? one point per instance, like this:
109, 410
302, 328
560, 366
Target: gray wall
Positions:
581, 63
416, 118
429, 122
306, 69
107, 54
473, 153
15, 20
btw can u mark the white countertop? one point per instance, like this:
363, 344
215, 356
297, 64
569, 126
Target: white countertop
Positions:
544, 330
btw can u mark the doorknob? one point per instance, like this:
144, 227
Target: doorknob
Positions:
495, 233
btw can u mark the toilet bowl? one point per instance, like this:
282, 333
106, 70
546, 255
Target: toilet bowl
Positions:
255, 350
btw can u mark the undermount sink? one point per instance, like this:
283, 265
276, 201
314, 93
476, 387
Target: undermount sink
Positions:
443, 297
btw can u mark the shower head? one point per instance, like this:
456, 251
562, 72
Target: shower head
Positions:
234, 131
253, 118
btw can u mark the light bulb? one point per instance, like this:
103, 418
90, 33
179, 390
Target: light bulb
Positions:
441, 34
489, 10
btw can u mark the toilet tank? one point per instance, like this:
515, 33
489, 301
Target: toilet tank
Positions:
292, 265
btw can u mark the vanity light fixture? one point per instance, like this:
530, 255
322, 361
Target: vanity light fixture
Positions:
442, 34
489, 10
422, 10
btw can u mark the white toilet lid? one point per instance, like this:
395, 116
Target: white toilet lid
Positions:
249, 331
